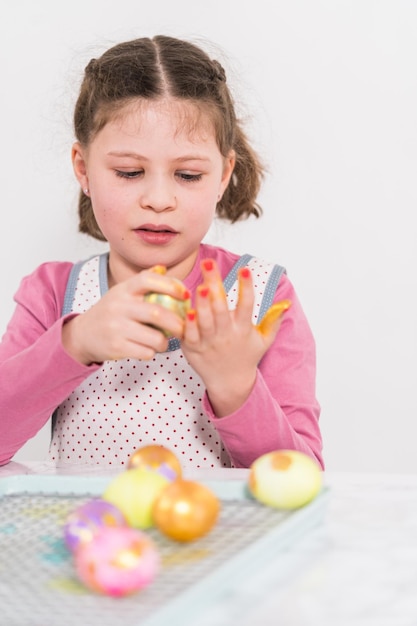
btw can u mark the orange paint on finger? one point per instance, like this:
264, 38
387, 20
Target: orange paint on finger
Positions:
159, 269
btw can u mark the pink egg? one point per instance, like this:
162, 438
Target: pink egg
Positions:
117, 561
84, 521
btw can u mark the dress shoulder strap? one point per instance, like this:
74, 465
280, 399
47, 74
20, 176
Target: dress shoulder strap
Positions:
266, 277
73, 278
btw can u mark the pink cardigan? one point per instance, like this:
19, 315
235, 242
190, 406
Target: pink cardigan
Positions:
37, 374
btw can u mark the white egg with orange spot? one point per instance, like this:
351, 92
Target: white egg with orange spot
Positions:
285, 479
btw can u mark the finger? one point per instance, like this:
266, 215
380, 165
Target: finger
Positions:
135, 351
164, 301
204, 311
272, 318
246, 296
150, 281
140, 330
168, 320
191, 331
218, 298
138, 341
213, 279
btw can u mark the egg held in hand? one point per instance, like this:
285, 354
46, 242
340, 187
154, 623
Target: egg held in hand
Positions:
285, 479
117, 561
180, 307
156, 458
133, 492
185, 510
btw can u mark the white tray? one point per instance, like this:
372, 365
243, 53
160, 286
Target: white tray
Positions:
38, 585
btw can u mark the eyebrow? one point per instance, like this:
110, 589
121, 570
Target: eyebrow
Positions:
140, 157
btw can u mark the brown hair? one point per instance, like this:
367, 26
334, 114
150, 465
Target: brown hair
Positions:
154, 68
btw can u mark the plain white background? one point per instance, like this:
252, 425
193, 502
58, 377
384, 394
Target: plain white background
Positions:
329, 92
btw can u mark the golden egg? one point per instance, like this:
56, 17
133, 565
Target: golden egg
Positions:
185, 510
158, 459
180, 307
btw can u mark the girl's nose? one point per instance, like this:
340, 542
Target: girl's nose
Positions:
158, 196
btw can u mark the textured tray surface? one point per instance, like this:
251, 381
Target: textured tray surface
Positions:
38, 585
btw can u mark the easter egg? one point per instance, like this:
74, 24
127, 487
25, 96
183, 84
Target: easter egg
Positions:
85, 520
180, 307
285, 479
117, 561
133, 492
185, 510
158, 459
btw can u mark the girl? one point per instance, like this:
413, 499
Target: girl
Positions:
159, 152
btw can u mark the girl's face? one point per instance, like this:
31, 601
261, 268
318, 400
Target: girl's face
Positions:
154, 186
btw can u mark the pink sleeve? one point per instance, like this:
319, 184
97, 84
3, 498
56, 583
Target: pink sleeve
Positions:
282, 411
36, 373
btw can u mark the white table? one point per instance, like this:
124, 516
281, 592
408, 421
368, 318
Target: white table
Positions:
358, 568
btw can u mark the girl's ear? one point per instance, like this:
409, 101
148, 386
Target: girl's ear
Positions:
79, 165
228, 167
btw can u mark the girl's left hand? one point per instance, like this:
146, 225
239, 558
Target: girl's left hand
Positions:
224, 347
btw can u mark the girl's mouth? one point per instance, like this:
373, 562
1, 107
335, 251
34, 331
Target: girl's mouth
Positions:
156, 235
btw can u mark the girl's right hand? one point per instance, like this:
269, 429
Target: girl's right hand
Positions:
122, 324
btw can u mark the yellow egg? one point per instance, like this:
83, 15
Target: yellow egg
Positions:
186, 510
285, 479
157, 458
134, 492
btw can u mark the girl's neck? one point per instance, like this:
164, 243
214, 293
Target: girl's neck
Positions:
118, 272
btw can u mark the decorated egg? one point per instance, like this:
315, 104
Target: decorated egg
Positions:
180, 307
85, 520
285, 479
157, 459
133, 492
186, 510
117, 561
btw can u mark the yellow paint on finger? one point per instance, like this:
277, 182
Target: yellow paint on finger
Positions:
272, 315
159, 269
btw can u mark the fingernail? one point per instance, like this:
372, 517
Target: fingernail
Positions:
191, 315
208, 264
203, 291
186, 295
244, 272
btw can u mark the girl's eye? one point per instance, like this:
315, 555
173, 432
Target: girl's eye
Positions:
128, 174
189, 178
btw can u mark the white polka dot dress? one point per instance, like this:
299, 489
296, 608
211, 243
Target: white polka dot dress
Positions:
129, 403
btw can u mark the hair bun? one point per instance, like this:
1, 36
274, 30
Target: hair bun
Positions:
218, 72
91, 68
